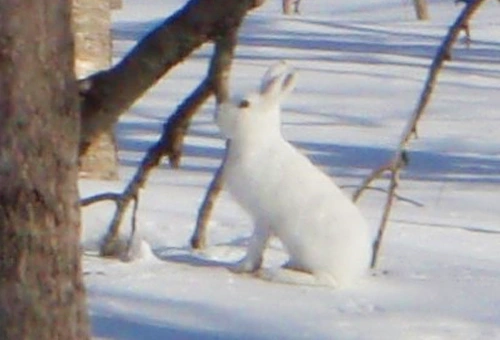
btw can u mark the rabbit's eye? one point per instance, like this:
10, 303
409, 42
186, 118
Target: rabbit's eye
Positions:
244, 104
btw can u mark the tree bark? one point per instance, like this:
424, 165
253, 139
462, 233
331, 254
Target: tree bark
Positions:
421, 9
290, 7
106, 95
42, 294
115, 4
92, 30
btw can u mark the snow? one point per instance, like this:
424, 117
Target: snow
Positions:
361, 67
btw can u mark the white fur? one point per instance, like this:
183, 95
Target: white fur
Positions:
286, 195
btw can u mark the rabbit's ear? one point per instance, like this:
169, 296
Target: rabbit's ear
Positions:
278, 81
288, 83
277, 70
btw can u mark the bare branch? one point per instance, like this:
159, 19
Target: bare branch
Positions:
199, 237
443, 54
399, 160
164, 146
220, 74
106, 95
385, 217
221, 66
368, 180
421, 9
290, 7
216, 82
107, 196
170, 142
134, 223
174, 131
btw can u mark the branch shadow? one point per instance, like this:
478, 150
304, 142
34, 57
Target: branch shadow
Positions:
338, 160
124, 328
343, 42
125, 317
356, 161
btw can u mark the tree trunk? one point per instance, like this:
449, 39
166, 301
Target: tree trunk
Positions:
92, 30
421, 9
42, 294
106, 95
115, 4
290, 7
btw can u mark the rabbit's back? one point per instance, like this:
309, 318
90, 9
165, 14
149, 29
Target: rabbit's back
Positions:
277, 181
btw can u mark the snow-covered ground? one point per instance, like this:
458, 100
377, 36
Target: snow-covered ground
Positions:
361, 68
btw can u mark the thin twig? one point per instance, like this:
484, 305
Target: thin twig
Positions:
199, 237
107, 196
443, 54
225, 51
385, 217
396, 196
175, 129
368, 180
134, 224
399, 160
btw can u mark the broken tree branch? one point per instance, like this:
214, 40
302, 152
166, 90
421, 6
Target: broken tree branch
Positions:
199, 237
216, 82
107, 196
107, 94
399, 160
179, 120
221, 87
171, 139
151, 160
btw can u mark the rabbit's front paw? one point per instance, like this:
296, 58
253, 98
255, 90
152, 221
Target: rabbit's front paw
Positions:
245, 266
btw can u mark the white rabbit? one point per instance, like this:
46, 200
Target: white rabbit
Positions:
323, 232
